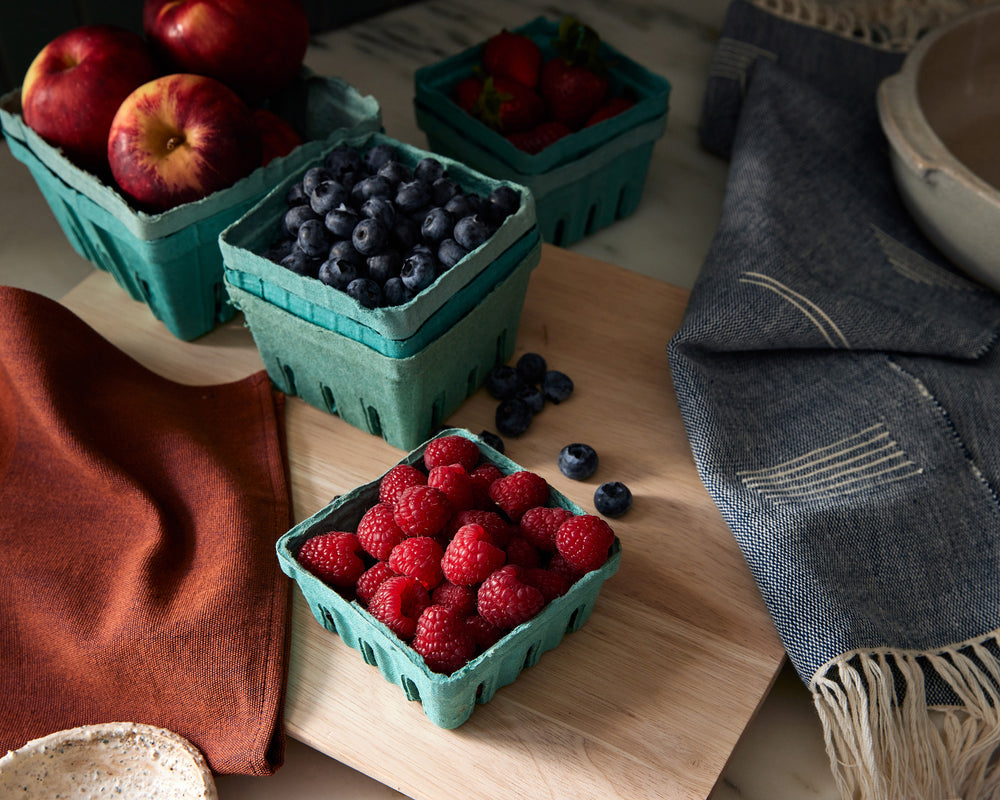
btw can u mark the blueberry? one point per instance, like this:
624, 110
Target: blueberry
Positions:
342, 160
501, 203
471, 232
380, 208
366, 292
384, 265
301, 264
612, 499
344, 248
396, 293
396, 171
502, 381
341, 221
405, 233
513, 417
532, 396
313, 177
296, 195
372, 186
437, 226
312, 238
338, 272
531, 367
463, 205
379, 155
327, 196
450, 253
412, 196
280, 249
370, 237
295, 216
442, 190
492, 440
577, 461
428, 170
418, 271
556, 386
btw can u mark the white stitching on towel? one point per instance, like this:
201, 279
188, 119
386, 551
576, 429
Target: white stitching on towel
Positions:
915, 267
816, 315
733, 57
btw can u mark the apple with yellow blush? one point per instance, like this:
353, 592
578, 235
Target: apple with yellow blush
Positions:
180, 138
74, 85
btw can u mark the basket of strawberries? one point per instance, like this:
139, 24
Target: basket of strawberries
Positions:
553, 107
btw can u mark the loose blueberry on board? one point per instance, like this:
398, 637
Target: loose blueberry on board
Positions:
492, 440
531, 367
612, 499
578, 461
502, 381
557, 386
532, 397
513, 417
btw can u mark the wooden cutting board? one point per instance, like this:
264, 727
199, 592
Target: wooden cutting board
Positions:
649, 698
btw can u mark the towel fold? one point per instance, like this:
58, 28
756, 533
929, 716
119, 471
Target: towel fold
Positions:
138, 518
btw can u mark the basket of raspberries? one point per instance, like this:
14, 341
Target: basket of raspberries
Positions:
552, 106
382, 282
452, 572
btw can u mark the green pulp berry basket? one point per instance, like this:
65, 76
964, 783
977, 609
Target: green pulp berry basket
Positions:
397, 331
171, 261
582, 182
448, 700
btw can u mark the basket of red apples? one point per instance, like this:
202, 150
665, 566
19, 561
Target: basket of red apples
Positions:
147, 146
553, 107
452, 572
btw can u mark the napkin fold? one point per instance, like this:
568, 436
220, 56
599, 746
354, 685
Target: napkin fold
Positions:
839, 380
138, 518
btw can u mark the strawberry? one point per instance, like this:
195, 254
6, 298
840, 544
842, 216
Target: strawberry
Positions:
574, 83
466, 92
509, 106
539, 137
514, 56
610, 108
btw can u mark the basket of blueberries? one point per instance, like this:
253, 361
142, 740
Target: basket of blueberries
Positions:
381, 283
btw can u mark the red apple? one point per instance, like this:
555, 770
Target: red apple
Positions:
253, 46
277, 136
75, 84
179, 138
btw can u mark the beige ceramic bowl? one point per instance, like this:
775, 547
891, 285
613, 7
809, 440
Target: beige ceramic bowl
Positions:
119, 759
941, 114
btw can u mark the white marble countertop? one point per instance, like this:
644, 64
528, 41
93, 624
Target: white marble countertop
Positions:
781, 755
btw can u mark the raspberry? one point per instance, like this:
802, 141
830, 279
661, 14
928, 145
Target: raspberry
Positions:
505, 600
378, 532
519, 491
522, 552
400, 477
496, 526
539, 525
422, 510
442, 639
561, 566
584, 541
418, 557
333, 557
397, 604
454, 481
371, 579
550, 584
481, 478
452, 449
470, 556
460, 598
485, 634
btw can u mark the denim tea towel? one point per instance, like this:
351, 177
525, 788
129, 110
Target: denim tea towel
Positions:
839, 381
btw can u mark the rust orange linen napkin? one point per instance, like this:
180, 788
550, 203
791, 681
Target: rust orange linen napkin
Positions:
138, 519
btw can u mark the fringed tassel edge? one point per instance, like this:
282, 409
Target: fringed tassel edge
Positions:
882, 747
892, 25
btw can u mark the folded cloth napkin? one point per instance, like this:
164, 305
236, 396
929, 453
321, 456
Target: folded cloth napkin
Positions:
839, 381
138, 519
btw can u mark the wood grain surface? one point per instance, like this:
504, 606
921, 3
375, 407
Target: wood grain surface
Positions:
649, 698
